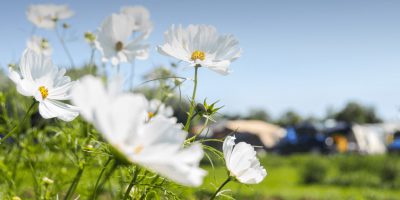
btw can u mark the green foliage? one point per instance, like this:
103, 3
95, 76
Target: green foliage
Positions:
361, 178
289, 118
355, 171
258, 114
313, 172
357, 113
285, 180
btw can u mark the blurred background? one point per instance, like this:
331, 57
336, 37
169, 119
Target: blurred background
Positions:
316, 88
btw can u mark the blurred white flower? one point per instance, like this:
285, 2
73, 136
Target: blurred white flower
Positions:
141, 17
113, 40
201, 45
47, 15
156, 144
156, 107
40, 45
91, 94
242, 162
42, 80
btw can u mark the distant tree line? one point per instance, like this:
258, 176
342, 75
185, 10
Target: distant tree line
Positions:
352, 112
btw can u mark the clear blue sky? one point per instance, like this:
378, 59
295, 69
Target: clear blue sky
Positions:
304, 55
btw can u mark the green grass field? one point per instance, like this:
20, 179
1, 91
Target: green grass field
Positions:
284, 180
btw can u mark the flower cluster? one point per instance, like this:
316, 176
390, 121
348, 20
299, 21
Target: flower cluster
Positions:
136, 131
47, 15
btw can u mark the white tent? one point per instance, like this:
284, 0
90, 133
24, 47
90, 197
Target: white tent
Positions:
269, 134
371, 138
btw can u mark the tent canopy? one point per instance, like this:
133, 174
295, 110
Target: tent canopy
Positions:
269, 134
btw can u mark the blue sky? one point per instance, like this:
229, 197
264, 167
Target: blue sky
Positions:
303, 55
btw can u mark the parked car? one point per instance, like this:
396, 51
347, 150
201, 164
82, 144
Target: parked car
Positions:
394, 147
302, 138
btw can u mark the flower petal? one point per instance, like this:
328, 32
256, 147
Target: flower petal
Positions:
51, 108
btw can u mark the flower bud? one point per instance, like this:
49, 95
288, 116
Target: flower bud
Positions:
200, 108
66, 26
12, 65
47, 181
90, 37
177, 82
88, 147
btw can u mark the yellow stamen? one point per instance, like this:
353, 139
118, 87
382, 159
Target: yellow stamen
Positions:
198, 55
119, 46
138, 149
150, 115
43, 91
44, 44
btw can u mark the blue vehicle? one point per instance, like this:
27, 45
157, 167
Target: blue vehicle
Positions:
302, 138
394, 147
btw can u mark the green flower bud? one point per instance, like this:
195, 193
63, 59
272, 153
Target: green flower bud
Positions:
47, 181
66, 26
12, 65
88, 147
44, 44
200, 108
90, 37
177, 82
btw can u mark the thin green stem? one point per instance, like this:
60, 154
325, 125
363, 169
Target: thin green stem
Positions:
106, 177
132, 183
35, 181
204, 127
91, 62
192, 102
99, 178
200, 132
162, 78
61, 39
220, 187
74, 183
19, 125
152, 183
14, 172
132, 75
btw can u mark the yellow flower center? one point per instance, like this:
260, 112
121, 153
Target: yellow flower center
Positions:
43, 91
198, 55
138, 149
150, 115
44, 44
119, 46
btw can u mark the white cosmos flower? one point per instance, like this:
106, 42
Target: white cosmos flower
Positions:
157, 107
201, 45
242, 162
141, 17
47, 15
42, 80
113, 40
156, 144
40, 45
